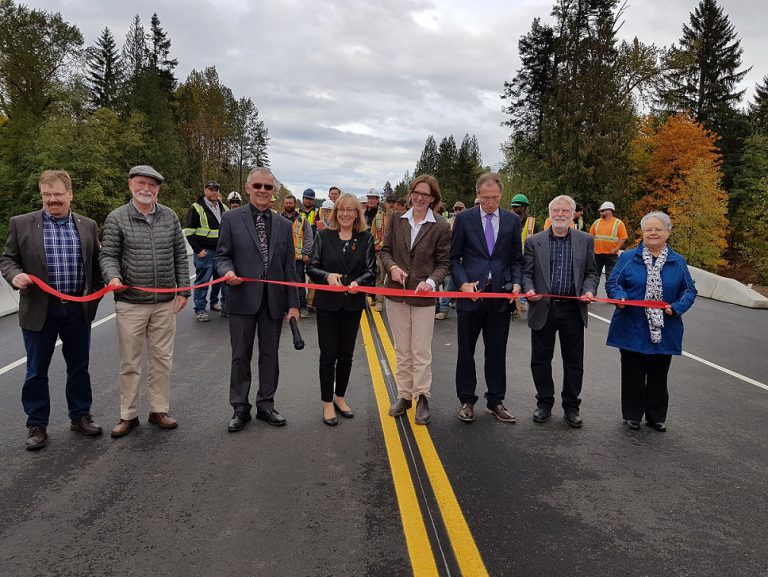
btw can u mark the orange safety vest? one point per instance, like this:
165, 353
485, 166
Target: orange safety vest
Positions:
604, 242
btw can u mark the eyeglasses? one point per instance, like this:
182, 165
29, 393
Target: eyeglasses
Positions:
421, 194
54, 195
259, 186
216, 188
457, 209
347, 210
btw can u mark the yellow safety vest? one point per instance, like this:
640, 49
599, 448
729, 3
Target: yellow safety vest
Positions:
528, 226
297, 226
309, 215
204, 230
613, 237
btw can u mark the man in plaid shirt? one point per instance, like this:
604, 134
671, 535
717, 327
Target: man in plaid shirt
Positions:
61, 248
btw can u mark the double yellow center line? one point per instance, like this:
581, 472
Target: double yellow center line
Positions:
417, 538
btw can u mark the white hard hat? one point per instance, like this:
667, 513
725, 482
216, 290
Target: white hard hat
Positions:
607, 206
234, 195
373, 192
327, 204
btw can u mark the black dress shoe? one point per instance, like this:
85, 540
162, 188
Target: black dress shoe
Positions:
541, 415
346, 414
573, 419
238, 421
632, 425
660, 426
271, 416
332, 422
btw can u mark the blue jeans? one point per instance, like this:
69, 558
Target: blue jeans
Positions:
204, 271
444, 303
64, 321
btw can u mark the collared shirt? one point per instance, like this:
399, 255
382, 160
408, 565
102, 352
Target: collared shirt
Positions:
561, 265
267, 220
214, 206
416, 227
148, 217
494, 222
62, 254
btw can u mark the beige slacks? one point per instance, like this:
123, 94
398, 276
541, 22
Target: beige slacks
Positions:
412, 332
155, 325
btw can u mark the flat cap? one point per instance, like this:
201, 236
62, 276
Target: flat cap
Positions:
146, 170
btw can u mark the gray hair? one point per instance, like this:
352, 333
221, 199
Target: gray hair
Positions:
664, 218
263, 170
489, 177
564, 197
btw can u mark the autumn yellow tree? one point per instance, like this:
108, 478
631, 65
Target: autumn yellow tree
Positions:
683, 179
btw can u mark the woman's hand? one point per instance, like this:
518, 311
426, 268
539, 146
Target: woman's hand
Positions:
398, 275
424, 287
621, 306
668, 310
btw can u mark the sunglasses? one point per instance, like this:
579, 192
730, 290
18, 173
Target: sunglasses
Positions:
259, 186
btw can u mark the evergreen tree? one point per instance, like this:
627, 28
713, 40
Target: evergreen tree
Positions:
104, 73
249, 139
447, 161
135, 52
468, 168
429, 156
158, 55
758, 110
387, 189
401, 189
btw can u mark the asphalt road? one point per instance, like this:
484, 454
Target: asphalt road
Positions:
311, 500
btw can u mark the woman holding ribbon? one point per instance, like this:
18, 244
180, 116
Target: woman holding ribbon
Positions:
416, 254
342, 255
648, 337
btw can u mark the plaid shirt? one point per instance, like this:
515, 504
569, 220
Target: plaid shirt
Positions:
63, 255
561, 265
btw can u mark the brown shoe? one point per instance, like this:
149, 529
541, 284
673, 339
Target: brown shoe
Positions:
422, 411
501, 413
163, 420
84, 424
399, 407
467, 412
124, 427
36, 438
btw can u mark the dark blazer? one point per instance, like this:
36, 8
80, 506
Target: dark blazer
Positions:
25, 253
536, 273
327, 257
428, 258
238, 251
471, 262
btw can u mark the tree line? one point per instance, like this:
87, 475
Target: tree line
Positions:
96, 111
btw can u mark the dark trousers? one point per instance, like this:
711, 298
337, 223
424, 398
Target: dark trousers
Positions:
301, 277
564, 319
644, 386
605, 260
64, 321
204, 271
337, 333
243, 329
494, 326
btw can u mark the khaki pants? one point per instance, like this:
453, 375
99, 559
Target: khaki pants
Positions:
155, 325
412, 332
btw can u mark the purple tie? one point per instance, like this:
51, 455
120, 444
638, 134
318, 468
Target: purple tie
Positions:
489, 232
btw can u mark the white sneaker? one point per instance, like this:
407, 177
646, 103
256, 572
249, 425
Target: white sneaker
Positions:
216, 307
202, 317
441, 316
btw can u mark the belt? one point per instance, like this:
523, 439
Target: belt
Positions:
562, 302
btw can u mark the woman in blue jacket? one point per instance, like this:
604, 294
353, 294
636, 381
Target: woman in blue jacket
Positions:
647, 338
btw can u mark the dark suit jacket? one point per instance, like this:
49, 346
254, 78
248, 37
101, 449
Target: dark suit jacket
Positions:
327, 257
536, 273
471, 262
25, 252
428, 258
238, 251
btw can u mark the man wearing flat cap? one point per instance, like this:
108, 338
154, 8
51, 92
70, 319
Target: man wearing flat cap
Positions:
143, 246
201, 228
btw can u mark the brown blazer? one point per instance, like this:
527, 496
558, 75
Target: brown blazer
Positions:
25, 252
428, 258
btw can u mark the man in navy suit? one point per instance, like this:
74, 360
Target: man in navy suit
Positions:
486, 256
255, 242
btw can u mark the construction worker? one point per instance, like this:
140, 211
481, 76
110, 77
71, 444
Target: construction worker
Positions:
202, 233
308, 210
520, 207
234, 199
610, 236
376, 219
302, 244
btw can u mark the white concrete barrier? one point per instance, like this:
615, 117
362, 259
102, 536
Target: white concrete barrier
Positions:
9, 299
728, 290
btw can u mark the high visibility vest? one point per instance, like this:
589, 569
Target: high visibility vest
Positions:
297, 226
604, 243
613, 237
528, 226
311, 216
204, 229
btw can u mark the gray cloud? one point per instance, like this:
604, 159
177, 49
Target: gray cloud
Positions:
350, 90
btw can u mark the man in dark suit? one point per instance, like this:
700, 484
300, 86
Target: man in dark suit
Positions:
255, 242
62, 249
486, 256
559, 261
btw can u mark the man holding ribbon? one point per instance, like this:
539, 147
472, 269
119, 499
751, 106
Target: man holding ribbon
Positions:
559, 262
62, 249
143, 247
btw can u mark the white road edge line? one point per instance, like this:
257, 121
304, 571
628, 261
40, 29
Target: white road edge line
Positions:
706, 362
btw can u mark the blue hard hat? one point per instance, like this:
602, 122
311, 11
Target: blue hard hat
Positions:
309, 193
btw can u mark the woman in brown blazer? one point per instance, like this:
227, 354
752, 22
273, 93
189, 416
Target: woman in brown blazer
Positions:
416, 257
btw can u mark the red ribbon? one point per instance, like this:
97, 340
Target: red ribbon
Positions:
339, 289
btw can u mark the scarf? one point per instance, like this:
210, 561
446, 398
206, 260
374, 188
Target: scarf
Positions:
653, 291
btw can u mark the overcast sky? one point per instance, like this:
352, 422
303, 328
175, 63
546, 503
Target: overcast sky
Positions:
350, 89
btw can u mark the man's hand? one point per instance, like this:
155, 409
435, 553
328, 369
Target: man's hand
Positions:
203, 253
334, 279
293, 313
231, 278
515, 291
587, 297
305, 258
353, 285
424, 287
179, 303
470, 287
532, 296
21, 280
116, 282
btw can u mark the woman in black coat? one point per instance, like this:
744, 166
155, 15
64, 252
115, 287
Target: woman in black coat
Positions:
342, 255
